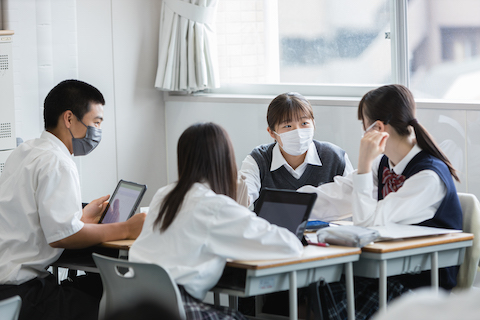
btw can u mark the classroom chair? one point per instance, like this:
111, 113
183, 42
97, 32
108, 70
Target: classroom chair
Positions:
10, 308
128, 283
471, 224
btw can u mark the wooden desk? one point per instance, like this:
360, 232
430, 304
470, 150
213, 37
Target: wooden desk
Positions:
388, 258
251, 278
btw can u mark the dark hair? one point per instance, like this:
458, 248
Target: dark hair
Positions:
394, 105
204, 154
73, 95
288, 106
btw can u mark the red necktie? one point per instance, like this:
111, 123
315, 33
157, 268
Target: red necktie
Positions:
391, 181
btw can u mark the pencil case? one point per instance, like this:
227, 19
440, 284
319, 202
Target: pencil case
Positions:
349, 236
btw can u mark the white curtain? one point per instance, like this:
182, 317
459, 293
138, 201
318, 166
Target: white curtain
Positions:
187, 55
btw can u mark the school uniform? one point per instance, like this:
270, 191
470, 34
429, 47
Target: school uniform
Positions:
207, 230
265, 167
427, 196
40, 203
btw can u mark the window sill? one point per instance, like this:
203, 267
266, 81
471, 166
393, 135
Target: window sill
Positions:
314, 100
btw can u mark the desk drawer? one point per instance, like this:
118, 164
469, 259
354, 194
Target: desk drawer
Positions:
368, 266
240, 283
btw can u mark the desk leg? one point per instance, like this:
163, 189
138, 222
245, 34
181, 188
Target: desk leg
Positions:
350, 292
293, 296
434, 272
382, 281
216, 299
55, 272
232, 302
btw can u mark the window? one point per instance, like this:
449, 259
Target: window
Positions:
444, 43
310, 42
332, 44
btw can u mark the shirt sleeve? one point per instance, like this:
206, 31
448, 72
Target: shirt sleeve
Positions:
252, 174
416, 201
59, 202
348, 166
244, 236
334, 199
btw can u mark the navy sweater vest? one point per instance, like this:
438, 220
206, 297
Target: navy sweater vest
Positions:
333, 164
448, 215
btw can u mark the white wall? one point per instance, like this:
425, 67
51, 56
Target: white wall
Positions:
456, 130
118, 44
111, 44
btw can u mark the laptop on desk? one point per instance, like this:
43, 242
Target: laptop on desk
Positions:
286, 208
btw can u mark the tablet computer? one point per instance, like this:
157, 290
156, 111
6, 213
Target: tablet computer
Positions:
286, 208
124, 202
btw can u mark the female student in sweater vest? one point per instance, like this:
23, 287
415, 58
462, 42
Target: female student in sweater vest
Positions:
295, 159
402, 177
195, 224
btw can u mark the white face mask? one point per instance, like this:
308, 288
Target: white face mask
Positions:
296, 142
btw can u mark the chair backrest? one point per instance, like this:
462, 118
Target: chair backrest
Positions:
471, 224
10, 308
128, 283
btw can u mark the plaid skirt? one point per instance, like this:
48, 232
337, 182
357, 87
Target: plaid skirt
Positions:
366, 297
198, 310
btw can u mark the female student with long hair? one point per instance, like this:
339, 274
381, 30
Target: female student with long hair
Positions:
402, 177
195, 224
295, 159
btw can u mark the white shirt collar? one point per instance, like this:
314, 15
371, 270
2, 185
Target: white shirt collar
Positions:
59, 143
278, 160
400, 167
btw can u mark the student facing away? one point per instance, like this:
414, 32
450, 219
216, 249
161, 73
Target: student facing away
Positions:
402, 177
41, 208
195, 224
294, 159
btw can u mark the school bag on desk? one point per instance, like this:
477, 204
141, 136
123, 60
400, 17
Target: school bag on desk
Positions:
349, 236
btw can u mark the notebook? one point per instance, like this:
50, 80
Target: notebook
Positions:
124, 202
404, 231
286, 208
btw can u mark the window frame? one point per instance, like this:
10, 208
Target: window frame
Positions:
331, 95
399, 66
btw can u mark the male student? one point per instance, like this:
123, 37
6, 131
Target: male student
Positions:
41, 209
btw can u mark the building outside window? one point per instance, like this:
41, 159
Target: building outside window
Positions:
346, 43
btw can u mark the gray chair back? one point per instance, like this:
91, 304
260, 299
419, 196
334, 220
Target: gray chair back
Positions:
128, 283
471, 224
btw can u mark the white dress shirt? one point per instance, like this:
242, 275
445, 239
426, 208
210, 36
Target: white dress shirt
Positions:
416, 201
207, 230
40, 203
251, 170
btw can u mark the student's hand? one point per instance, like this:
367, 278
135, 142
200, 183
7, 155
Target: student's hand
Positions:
134, 225
371, 146
93, 211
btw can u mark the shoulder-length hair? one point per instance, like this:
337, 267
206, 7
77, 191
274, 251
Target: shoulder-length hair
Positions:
394, 105
204, 154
